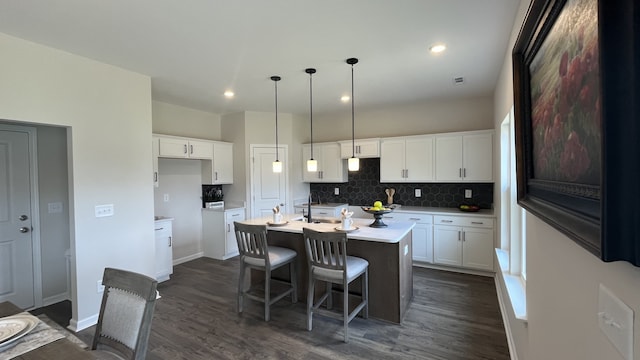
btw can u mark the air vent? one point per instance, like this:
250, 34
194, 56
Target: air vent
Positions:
458, 80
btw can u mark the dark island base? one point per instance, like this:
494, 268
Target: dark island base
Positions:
390, 274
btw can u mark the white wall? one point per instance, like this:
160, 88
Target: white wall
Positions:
109, 112
563, 278
436, 116
181, 180
177, 120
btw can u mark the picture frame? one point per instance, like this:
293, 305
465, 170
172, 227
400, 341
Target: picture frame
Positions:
576, 120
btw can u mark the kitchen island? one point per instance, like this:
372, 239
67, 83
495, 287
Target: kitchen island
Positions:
388, 251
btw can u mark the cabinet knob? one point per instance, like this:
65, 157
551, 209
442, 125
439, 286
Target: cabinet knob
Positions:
477, 222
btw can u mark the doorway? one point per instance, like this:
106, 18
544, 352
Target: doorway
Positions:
268, 189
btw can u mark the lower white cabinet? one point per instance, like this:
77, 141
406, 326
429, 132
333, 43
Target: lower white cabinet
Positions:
464, 241
218, 233
422, 234
164, 249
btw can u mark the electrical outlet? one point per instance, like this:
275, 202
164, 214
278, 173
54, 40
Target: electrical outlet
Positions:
336, 191
104, 210
468, 194
417, 192
99, 287
166, 197
615, 320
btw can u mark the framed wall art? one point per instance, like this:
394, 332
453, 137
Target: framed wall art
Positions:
575, 75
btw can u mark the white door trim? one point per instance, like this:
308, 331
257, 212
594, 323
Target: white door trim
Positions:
35, 208
283, 154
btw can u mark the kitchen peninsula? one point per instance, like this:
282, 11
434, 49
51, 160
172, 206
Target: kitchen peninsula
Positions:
388, 251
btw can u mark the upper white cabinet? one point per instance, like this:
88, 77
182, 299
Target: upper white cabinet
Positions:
178, 147
464, 157
155, 149
363, 148
331, 166
221, 168
406, 159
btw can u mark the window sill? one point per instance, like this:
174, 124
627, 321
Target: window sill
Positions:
516, 287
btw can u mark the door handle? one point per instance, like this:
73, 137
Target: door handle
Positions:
23, 217
24, 229
170, 241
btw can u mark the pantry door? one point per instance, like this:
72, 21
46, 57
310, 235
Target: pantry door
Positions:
268, 189
16, 236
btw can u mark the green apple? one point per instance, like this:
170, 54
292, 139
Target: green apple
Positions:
377, 204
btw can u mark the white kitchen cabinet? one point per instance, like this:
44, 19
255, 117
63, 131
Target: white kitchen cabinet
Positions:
422, 233
179, 147
406, 159
364, 148
331, 166
164, 248
155, 149
464, 241
218, 232
220, 169
320, 211
464, 157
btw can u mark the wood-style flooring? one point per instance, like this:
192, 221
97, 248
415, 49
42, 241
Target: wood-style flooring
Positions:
453, 316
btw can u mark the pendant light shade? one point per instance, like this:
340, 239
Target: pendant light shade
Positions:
354, 162
312, 164
277, 165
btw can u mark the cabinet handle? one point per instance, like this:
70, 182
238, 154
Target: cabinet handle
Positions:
216, 173
170, 241
464, 172
155, 176
191, 149
446, 221
460, 172
406, 171
322, 213
159, 229
458, 235
235, 215
185, 148
228, 227
477, 222
415, 219
463, 237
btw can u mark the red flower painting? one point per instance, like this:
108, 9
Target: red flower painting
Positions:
565, 99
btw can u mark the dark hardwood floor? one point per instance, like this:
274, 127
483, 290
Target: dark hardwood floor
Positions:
452, 316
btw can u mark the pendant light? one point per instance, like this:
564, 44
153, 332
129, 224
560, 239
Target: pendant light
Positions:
354, 162
312, 164
277, 165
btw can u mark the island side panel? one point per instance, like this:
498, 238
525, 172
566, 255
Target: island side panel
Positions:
390, 273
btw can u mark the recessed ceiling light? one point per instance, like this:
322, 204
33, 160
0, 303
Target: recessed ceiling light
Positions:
228, 94
345, 98
438, 48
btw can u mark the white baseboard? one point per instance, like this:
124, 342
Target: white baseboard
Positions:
76, 326
56, 299
453, 269
188, 258
505, 319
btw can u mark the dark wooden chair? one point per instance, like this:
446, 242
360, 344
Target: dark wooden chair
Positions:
256, 254
124, 323
329, 262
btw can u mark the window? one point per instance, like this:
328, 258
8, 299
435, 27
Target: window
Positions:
512, 251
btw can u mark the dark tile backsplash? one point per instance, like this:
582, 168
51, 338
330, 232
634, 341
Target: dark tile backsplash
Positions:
364, 188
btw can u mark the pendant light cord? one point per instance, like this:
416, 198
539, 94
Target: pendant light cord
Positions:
353, 126
311, 107
275, 80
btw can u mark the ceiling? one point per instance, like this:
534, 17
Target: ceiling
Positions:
194, 50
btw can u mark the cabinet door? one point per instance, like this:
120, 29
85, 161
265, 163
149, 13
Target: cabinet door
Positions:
164, 250
222, 163
231, 245
368, 148
477, 248
447, 245
155, 150
419, 160
200, 149
422, 239
478, 157
332, 164
173, 148
448, 158
392, 160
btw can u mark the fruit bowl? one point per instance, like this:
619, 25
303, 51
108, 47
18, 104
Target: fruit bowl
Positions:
469, 208
377, 215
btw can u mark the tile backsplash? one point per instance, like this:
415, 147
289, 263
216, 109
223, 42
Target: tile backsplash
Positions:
364, 188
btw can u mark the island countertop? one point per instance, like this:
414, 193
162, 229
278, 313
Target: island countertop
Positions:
393, 233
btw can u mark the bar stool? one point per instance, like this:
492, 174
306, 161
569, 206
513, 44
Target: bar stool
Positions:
256, 254
329, 262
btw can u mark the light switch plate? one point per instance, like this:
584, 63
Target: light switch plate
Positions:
99, 287
54, 207
336, 191
615, 319
418, 192
468, 193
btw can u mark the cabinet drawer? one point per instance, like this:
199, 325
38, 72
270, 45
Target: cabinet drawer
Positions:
463, 221
414, 217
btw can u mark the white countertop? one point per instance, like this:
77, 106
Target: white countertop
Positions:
393, 233
445, 211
